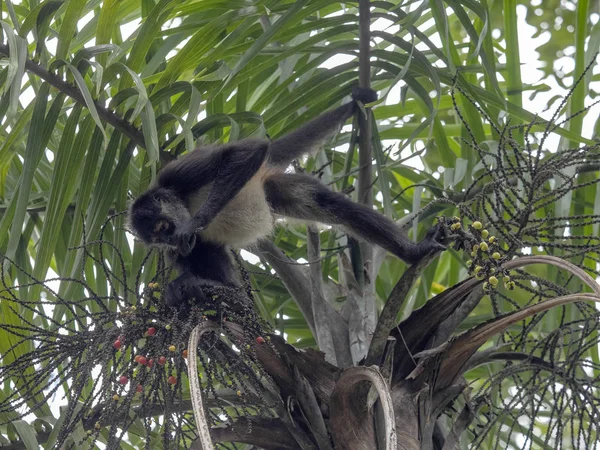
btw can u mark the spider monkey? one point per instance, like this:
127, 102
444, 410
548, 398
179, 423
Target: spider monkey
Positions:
224, 196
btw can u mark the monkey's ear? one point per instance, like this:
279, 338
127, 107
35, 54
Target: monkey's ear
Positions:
363, 95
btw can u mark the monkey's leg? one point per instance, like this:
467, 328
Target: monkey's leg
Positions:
309, 137
206, 265
304, 197
234, 165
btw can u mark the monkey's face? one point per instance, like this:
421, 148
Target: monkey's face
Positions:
155, 216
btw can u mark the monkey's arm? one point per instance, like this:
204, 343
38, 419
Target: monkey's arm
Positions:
304, 197
309, 137
233, 165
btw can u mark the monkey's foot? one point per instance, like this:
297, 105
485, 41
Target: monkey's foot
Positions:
184, 290
433, 241
363, 95
436, 237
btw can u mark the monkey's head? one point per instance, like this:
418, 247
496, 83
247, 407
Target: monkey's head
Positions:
155, 216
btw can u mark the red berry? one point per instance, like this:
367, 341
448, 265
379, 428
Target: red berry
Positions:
139, 388
172, 379
137, 358
162, 360
142, 360
117, 344
151, 331
184, 353
123, 379
260, 340
150, 362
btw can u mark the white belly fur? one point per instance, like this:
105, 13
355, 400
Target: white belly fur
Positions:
243, 221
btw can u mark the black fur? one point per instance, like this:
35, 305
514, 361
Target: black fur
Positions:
235, 165
147, 210
207, 264
304, 140
162, 216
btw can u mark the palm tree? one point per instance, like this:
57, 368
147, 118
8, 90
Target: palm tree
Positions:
344, 347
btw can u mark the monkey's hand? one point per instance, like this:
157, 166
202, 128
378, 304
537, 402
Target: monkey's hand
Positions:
185, 237
363, 95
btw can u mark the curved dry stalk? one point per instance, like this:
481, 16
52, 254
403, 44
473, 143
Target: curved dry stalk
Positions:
464, 346
503, 322
557, 262
202, 428
346, 388
449, 325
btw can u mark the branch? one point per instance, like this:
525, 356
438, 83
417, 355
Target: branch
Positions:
105, 114
365, 154
293, 278
389, 314
488, 188
365, 175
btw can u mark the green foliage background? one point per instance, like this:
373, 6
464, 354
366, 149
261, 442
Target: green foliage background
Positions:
190, 71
